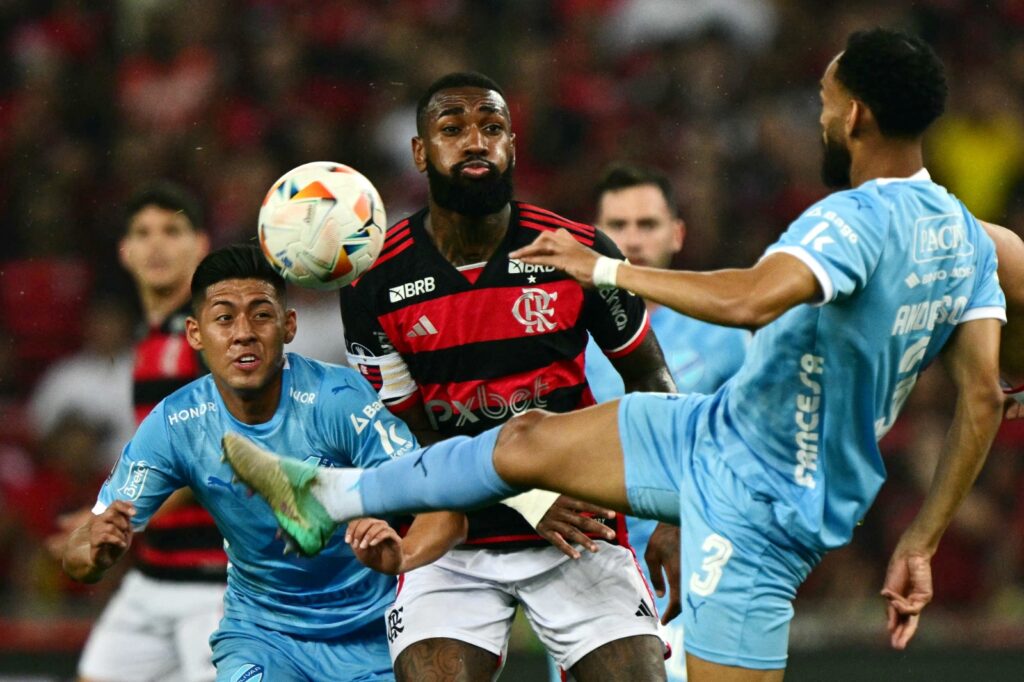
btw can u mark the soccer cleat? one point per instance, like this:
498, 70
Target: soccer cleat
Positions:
285, 484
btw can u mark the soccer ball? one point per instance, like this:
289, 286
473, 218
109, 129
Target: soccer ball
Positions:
322, 225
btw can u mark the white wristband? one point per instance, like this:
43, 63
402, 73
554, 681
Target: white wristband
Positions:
605, 271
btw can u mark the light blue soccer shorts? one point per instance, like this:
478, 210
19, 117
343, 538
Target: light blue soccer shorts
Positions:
740, 571
246, 652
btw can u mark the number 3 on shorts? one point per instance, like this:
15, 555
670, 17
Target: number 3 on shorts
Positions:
718, 551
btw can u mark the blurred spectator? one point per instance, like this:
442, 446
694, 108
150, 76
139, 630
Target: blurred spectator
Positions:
68, 388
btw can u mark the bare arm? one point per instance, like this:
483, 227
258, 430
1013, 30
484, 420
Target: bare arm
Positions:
1010, 252
430, 536
97, 545
973, 361
415, 417
644, 369
749, 298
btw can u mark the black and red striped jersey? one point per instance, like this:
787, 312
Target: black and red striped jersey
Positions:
480, 344
179, 544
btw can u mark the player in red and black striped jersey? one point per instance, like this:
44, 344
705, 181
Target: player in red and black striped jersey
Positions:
457, 337
158, 623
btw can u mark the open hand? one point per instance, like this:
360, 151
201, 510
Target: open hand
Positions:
561, 250
375, 544
907, 590
564, 525
663, 563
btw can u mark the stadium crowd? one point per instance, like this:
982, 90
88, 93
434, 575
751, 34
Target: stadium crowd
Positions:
225, 95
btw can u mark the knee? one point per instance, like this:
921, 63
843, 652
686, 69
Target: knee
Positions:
518, 440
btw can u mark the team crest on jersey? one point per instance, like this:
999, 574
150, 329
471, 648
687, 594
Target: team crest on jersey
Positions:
135, 481
534, 310
248, 672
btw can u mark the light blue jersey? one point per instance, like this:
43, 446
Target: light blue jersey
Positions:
900, 262
327, 414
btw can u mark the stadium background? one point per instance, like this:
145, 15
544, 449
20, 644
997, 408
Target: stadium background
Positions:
224, 95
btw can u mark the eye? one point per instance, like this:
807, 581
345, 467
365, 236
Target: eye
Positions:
495, 128
450, 130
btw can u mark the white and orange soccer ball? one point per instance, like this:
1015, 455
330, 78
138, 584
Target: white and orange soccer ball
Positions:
322, 225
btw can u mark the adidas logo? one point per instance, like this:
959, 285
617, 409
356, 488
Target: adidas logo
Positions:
644, 610
423, 327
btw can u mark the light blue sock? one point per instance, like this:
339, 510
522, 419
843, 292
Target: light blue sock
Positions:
456, 474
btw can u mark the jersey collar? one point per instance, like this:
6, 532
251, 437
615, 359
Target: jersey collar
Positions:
920, 176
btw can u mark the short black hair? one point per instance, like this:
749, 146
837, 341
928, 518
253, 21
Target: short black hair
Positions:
166, 195
898, 76
457, 79
622, 176
238, 261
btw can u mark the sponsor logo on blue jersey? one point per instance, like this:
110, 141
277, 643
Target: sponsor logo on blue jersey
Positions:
941, 237
135, 481
249, 672
185, 414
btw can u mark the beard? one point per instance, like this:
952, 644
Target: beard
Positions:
835, 164
474, 198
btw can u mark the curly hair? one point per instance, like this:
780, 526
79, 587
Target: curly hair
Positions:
898, 76
458, 79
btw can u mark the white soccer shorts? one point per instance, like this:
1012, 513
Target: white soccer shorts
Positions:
574, 607
155, 630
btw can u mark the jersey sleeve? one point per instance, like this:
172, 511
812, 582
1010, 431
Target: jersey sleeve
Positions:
370, 352
361, 430
147, 472
616, 319
987, 299
840, 239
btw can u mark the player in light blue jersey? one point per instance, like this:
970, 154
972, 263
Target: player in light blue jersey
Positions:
285, 617
863, 290
637, 209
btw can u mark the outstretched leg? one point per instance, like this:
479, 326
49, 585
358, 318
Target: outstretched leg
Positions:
577, 453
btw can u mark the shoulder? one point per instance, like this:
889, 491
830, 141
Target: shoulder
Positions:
540, 219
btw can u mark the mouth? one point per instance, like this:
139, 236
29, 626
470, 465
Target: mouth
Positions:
475, 169
247, 362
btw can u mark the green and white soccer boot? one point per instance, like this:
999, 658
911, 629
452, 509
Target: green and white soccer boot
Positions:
285, 484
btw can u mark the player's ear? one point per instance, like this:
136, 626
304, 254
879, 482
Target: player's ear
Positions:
512, 150
290, 324
679, 235
123, 254
202, 244
419, 154
857, 118
192, 333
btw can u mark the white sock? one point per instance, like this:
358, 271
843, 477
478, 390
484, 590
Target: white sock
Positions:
338, 491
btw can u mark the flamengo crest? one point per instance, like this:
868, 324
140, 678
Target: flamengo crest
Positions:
534, 310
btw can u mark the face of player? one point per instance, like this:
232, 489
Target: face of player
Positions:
161, 249
835, 111
241, 331
640, 223
467, 151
